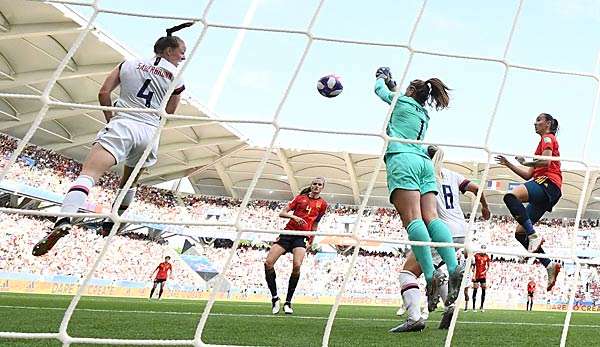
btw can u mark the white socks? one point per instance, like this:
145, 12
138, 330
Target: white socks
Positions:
410, 294
77, 194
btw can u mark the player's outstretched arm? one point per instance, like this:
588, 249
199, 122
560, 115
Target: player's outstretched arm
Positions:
155, 270
173, 103
485, 210
383, 81
524, 173
536, 162
111, 82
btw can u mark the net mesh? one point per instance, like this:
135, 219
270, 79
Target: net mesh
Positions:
48, 102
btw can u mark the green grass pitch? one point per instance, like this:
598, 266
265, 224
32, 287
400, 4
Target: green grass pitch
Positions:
245, 323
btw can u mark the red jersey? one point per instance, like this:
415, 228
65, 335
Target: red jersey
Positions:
552, 171
530, 287
309, 209
482, 262
162, 270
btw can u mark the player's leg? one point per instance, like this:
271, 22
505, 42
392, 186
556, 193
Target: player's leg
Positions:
153, 289
108, 224
407, 203
160, 291
531, 303
474, 297
298, 254
483, 287
275, 252
411, 295
466, 292
98, 161
536, 210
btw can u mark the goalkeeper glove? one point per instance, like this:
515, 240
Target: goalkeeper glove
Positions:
384, 72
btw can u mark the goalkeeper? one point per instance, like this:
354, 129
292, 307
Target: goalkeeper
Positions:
411, 179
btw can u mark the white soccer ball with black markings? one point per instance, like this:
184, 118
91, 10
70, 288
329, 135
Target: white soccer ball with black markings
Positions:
330, 86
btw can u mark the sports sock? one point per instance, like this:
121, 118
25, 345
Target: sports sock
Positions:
77, 194
466, 301
152, 291
531, 305
411, 295
270, 276
518, 211
544, 261
160, 291
439, 232
417, 231
523, 239
482, 298
292, 286
474, 297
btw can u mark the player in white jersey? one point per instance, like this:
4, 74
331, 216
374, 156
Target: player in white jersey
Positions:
448, 207
143, 84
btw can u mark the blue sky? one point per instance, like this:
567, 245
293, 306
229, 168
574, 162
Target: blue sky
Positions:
555, 34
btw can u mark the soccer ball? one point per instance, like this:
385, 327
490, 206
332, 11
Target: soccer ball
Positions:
330, 86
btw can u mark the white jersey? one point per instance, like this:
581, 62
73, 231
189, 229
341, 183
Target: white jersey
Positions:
144, 84
448, 203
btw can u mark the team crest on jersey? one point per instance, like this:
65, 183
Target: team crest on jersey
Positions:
547, 140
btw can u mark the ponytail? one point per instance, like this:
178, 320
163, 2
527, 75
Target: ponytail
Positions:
438, 97
553, 123
437, 156
433, 93
170, 41
305, 191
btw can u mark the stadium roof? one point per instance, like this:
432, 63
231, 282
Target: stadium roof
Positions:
35, 37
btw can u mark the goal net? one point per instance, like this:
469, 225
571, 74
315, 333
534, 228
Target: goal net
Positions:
414, 54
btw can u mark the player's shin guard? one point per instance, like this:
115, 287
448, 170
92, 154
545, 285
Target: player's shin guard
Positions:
439, 232
474, 297
417, 231
152, 290
270, 277
411, 295
77, 194
482, 298
518, 211
294, 278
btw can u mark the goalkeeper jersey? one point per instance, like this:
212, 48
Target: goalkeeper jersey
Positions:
409, 121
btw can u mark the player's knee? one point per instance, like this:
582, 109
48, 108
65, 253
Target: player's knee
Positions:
296, 269
269, 264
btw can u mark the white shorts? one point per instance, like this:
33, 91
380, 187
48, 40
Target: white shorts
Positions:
126, 140
437, 259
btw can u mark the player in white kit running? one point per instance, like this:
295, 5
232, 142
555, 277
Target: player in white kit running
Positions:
143, 84
450, 184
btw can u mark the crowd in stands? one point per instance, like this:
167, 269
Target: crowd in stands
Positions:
133, 256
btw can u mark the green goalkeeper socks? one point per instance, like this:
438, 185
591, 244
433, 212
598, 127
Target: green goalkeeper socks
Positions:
417, 231
439, 232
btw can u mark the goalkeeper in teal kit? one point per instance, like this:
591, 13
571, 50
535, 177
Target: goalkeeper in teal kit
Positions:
412, 184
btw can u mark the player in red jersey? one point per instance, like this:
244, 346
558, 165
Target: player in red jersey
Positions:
308, 207
163, 270
482, 263
542, 191
530, 291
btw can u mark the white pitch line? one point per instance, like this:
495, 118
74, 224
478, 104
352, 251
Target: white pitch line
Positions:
187, 313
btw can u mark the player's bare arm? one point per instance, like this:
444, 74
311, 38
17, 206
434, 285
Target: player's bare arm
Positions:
524, 172
111, 82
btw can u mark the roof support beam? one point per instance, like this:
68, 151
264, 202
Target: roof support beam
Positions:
227, 183
75, 141
289, 171
588, 193
163, 170
52, 114
211, 141
18, 31
41, 76
353, 181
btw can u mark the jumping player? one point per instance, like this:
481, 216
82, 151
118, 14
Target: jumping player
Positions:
143, 84
482, 263
542, 190
530, 292
308, 208
163, 271
449, 210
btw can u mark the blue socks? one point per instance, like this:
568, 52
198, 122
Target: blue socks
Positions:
518, 211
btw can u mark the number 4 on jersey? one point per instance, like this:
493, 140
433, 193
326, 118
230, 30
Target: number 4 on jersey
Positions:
148, 96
